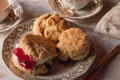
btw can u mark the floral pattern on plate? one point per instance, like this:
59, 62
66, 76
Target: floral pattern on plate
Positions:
93, 7
60, 71
15, 16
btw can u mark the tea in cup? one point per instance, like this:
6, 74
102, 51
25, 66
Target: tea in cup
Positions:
4, 9
75, 4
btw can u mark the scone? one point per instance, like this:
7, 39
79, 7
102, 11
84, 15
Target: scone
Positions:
34, 54
73, 44
49, 26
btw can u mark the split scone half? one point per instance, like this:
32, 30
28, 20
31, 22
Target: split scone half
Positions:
74, 44
49, 26
34, 54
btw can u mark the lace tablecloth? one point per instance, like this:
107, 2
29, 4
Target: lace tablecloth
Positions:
34, 8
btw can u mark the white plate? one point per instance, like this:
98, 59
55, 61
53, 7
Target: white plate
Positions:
91, 9
14, 18
68, 71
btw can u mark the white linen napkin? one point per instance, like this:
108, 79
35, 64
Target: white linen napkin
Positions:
110, 23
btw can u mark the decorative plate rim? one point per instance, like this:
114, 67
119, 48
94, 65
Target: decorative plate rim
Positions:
76, 17
72, 77
19, 20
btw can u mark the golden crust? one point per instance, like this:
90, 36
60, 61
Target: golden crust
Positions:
49, 26
73, 43
37, 46
40, 24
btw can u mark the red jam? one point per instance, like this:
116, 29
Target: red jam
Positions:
25, 60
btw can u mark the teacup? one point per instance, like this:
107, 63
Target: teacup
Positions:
75, 4
4, 9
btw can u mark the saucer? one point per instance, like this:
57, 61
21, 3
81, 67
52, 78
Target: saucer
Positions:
91, 9
15, 16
